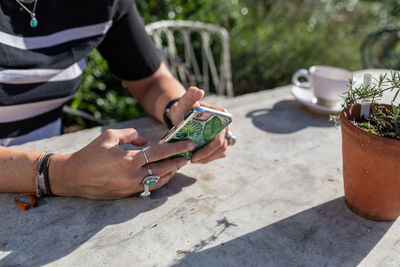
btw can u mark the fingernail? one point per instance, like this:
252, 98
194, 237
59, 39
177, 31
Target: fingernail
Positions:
190, 145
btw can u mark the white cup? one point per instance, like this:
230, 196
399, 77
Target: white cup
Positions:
328, 84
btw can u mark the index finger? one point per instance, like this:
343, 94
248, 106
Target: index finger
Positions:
203, 104
164, 151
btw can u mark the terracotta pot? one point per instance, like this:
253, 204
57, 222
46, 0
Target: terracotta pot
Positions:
371, 170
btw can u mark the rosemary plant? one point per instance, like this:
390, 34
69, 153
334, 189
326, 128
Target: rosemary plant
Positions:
383, 121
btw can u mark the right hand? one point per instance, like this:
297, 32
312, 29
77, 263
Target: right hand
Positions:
102, 170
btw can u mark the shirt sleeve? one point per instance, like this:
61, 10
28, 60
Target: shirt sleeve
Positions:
129, 51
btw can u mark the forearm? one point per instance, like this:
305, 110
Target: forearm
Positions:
17, 170
154, 92
100, 170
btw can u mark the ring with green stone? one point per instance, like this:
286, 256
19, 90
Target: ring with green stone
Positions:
151, 180
148, 181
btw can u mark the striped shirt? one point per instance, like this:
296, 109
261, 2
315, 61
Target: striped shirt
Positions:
41, 68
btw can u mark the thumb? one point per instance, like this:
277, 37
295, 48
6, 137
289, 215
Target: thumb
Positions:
124, 136
190, 98
131, 136
187, 101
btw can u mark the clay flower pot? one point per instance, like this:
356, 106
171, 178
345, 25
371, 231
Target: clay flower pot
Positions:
371, 170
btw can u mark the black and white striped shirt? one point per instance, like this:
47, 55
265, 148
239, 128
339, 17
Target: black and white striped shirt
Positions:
41, 68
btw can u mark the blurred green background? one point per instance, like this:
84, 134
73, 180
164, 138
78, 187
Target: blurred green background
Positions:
270, 40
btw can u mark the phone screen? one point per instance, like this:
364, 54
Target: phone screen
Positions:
200, 126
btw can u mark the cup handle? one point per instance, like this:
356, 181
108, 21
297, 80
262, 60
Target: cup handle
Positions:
301, 73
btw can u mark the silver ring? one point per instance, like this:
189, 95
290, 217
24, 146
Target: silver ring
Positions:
149, 171
151, 179
145, 155
230, 137
147, 181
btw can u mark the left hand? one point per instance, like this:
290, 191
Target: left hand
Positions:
218, 147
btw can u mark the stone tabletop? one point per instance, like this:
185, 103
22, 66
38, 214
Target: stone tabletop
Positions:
276, 200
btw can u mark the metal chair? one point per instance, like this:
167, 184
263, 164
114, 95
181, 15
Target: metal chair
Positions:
176, 39
381, 49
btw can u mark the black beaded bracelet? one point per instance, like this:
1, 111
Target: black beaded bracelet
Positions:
167, 120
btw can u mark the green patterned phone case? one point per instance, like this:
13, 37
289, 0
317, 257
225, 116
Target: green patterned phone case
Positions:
200, 126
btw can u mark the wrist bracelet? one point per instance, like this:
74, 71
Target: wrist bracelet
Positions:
46, 175
42, 178
42, 185
37, 178
167, 120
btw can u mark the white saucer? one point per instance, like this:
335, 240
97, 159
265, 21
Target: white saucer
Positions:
306, 97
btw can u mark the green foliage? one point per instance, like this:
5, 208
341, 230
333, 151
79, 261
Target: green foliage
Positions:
383, 121
386, 121
209, 11
102, 95
367, 126
279, 37
270, 40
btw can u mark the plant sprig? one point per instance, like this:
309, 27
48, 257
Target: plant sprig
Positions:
371, 93
382, 120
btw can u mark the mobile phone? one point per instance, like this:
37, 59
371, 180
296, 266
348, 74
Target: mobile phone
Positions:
200, 125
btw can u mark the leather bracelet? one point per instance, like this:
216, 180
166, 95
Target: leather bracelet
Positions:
167, 120
39, 182
42, 176
46, 175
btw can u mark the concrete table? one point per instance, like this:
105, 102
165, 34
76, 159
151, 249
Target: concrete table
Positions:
276, 200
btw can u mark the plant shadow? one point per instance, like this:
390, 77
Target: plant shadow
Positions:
328, 234
287, 116
61, 225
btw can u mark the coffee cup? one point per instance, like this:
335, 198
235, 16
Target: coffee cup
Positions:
327, 83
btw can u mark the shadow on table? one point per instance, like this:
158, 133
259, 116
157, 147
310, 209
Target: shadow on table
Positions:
286, 117
61, 225
328, 234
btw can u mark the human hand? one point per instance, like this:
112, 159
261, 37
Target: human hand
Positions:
189, 100
102, 170
218, 147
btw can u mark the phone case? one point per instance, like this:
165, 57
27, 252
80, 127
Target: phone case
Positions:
200, 126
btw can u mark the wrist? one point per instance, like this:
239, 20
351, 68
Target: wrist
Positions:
169, 110
59, 178
173, 115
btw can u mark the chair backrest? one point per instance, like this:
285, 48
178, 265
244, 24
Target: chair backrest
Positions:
381, 49
175, 39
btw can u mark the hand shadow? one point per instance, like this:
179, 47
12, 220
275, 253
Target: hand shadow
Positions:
286, 117
326, 235
174, 186
51, 231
